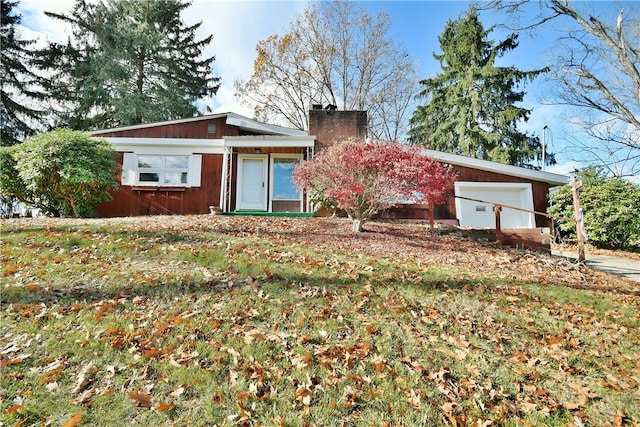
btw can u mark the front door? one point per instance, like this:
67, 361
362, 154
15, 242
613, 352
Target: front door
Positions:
252, 182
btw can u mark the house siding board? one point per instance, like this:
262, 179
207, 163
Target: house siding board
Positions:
195, 130
138, 200
447, 211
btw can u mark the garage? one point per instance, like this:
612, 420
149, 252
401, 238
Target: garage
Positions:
480, 211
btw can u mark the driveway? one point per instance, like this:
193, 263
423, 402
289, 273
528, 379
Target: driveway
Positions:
623, 267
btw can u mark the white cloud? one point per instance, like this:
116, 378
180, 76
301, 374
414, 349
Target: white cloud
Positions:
237, 26
38, 26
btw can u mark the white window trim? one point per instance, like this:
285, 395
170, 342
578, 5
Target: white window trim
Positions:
298, 158
131, 172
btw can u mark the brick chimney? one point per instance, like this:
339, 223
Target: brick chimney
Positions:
330, 125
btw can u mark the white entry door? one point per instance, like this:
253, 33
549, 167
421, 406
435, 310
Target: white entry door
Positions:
252, 182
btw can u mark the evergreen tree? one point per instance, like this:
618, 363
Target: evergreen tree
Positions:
22, 89
130, 62
471, 106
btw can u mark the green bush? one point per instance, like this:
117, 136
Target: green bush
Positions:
63, 172
610, 205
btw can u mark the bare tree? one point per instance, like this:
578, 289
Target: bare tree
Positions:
596, 66
336, 54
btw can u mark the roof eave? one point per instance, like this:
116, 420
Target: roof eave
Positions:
455, 159
232, 119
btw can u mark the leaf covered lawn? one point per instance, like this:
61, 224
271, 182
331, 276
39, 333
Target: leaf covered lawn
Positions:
210, 320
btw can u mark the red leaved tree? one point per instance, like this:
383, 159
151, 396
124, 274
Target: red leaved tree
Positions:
364, 179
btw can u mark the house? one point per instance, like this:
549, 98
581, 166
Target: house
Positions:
480, 185
235, 164
220, 161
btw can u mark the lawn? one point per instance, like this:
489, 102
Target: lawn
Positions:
210, 320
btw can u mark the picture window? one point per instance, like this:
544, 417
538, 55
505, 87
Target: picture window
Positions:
163, 170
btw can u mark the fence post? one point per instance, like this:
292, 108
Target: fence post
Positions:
497, 209
575, 186
431, 214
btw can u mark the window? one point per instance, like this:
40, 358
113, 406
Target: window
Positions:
283, 186
164, 170
161, 170
211, 129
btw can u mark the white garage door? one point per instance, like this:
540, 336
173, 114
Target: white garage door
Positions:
478, 214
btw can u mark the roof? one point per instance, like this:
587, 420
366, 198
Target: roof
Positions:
517, 171
233, 119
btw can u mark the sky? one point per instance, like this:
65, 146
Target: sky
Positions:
237, 27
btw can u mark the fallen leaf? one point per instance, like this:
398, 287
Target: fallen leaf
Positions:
177, 392
571, 405
164, 407
585, 393
84, 398
142, 399
371, 329
414, 398
13, 409
75, 420
82, 381
8, 362
301, 321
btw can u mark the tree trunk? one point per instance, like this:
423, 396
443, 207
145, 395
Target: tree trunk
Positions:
357, 224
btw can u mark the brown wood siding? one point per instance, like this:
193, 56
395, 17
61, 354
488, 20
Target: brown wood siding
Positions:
196, 130
138, 200
447, 211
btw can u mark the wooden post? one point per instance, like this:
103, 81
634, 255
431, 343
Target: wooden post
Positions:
497, 209
431, 215
577, 213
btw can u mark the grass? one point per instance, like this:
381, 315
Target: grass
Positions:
108, 325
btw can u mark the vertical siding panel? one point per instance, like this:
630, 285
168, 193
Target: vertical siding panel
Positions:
129, 201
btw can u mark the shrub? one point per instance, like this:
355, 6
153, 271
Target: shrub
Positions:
610, 207
63, 172
366, 178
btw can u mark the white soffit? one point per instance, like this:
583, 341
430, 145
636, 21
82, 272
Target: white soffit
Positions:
205, 146
269, 141
242, 122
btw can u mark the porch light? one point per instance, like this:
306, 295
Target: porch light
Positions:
258, 150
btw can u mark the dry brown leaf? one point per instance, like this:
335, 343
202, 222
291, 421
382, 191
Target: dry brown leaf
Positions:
8, 362
142, 399
571, 405
13, 409
585, 393
301, 322
75, 420
84, 398
83, 381
164, 407
372, 329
